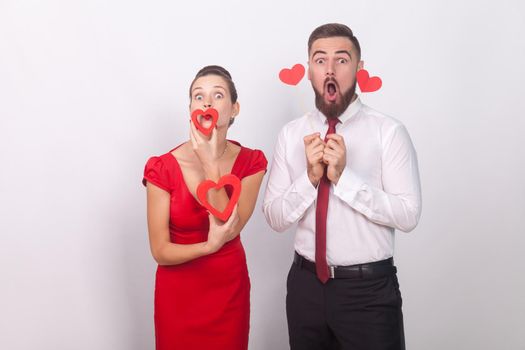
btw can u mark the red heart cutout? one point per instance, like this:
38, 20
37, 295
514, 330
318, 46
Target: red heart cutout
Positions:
367, 83
210, 113
206, 185
292, 76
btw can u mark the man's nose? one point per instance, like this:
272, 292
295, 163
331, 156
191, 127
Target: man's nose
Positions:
330, 69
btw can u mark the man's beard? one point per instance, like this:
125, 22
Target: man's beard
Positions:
334, 110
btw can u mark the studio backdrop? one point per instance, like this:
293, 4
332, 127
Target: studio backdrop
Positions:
89, 90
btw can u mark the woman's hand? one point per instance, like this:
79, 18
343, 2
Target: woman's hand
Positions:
206, 149
219, 234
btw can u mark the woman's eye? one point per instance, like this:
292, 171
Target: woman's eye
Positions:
218, 95
198, 97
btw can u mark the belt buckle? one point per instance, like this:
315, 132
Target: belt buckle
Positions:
332, 271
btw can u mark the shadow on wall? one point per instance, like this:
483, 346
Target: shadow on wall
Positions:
269, 256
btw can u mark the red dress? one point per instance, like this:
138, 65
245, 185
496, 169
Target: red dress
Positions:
204, 303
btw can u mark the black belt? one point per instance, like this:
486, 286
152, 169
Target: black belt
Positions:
374, 269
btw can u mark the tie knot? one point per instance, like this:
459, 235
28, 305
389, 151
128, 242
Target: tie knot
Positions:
332, 122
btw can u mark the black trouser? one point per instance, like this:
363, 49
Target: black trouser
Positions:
344, 314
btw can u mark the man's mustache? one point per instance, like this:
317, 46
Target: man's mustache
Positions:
331, 80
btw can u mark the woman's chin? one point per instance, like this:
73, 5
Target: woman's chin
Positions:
206, 124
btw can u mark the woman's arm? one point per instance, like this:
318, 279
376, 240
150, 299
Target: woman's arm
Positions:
167, 253
248, 198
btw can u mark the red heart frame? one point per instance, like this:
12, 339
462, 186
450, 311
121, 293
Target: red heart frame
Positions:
206, 185
367, 83
292, 76
209, 113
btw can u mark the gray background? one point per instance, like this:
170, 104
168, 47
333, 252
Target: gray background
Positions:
89, 90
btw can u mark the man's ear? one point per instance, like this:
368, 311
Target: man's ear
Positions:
360, 65
308, 69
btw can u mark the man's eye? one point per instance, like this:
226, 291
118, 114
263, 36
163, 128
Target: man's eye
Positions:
342, 60
320, 61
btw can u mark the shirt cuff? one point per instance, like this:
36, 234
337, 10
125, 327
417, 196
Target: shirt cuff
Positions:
348, 186
304, 187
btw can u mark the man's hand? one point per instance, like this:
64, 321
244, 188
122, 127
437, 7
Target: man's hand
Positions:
314, 149
334, 156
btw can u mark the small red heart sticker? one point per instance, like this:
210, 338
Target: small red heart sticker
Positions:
367, 83
292, 76
225, 180
208, 114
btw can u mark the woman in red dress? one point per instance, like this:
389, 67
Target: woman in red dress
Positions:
202, 288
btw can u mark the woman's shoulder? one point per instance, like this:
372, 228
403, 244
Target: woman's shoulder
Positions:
167, 160
251, 160
158, 171
247, 150
174, 154
179, 153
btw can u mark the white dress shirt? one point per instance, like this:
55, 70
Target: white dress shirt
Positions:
378, 191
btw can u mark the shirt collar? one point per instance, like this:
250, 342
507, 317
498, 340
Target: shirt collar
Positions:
350, 111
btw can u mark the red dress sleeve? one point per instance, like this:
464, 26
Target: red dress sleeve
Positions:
156, 172
256, 163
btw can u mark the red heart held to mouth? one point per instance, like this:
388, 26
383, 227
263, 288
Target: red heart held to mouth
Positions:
292, 76
367, 83
225, 180
210, 113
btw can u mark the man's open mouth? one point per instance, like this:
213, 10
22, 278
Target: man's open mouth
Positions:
331, 91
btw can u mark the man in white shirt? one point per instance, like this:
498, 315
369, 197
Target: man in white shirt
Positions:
347, 191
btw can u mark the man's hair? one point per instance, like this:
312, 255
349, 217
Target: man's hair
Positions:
220, 71
330, 30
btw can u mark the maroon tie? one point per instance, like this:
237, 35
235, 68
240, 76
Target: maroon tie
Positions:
323, 190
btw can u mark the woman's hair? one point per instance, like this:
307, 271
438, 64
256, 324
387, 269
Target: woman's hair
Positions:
221, 72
